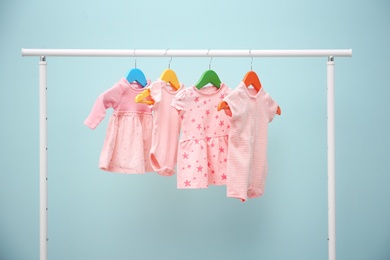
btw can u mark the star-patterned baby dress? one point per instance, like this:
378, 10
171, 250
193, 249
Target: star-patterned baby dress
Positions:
202, 150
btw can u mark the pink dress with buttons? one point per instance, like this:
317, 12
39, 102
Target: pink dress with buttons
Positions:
203, 146
128, 139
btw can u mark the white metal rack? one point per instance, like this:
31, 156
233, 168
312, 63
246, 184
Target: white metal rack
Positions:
42, 53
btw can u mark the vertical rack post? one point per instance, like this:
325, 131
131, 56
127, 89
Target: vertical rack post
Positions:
43, 195
331, 161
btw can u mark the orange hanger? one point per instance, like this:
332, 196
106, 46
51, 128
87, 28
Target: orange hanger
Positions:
222, 105
251, 78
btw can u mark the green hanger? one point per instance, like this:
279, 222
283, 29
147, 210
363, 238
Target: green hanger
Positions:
209, 76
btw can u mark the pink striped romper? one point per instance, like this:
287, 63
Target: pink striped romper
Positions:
251, 112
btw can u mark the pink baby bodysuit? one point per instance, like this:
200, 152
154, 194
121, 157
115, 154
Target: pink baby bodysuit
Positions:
129, 132
202, 150
251, 112
166, 128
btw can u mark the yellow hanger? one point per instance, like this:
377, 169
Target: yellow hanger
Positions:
169, 76
141, 98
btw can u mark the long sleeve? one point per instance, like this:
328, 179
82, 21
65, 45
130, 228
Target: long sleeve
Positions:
108, 99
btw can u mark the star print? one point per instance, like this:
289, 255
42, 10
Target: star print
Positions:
205, 175
207, 112
209, 164
205, 102
221, 96
185, 155
216, 117
208, 139
212, 144
196, 99
223, 176
221, 123
193, 120
182, 117
221, 149
228, 126
187, 183
199, 127
199, 168
196, 141
212, 172
189, 166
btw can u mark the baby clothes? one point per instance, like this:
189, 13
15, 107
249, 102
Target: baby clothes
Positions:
128, 139
247, 164
202, 150
166, 128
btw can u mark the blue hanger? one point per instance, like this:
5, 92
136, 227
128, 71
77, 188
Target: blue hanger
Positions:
136, 75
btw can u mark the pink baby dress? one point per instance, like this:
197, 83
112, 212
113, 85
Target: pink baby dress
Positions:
203, 146
128, 139
166, 128
251, 111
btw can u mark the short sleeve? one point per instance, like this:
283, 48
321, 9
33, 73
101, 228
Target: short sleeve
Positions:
180, 100
272, 108
233, 100
155, 91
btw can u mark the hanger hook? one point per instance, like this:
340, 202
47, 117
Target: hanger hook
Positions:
135, 60
250, 53
210, 59
169, 64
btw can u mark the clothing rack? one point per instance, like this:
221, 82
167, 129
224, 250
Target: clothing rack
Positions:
43, 53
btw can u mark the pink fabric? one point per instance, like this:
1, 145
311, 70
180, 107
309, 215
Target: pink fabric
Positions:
166, 128
128, 139
251, 112
202, 150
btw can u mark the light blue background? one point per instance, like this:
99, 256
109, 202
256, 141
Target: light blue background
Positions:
99, 215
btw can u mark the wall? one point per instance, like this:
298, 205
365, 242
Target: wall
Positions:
99, 215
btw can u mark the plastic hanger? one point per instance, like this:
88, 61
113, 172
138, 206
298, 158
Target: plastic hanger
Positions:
141, 97
209, 76
169, 76
136, 75
250, 79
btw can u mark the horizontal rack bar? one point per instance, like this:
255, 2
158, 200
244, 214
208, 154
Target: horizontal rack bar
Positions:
185, 53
